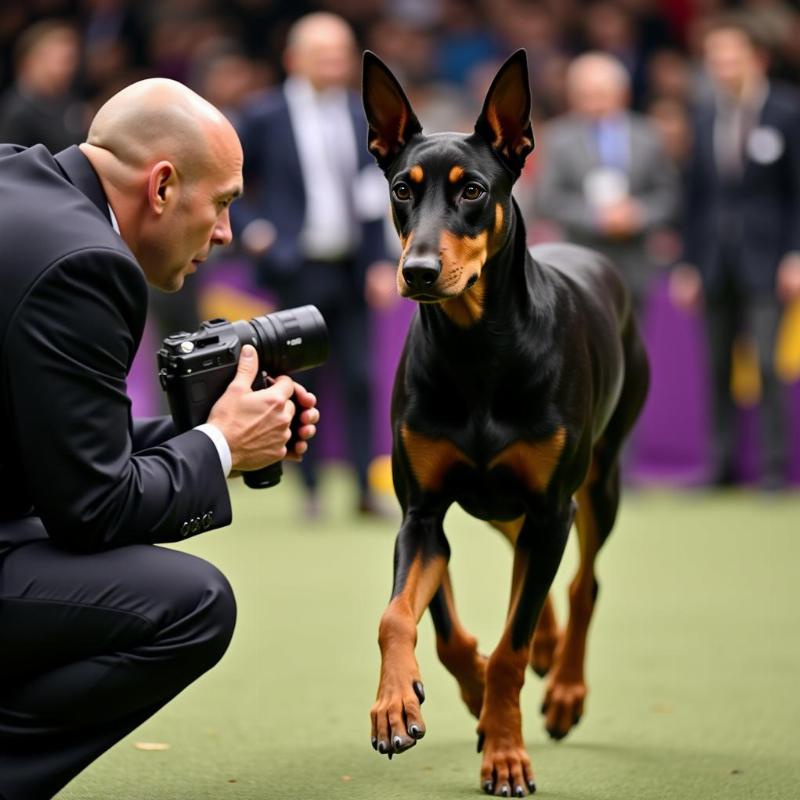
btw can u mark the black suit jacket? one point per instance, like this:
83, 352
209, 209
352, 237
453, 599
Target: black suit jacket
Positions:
73, 302
758, 215
275, 190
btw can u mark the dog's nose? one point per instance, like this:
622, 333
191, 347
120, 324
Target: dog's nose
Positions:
421, 272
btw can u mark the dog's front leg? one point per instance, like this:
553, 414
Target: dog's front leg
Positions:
420, 562
506, 768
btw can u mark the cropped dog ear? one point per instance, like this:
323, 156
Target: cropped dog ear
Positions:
392, 123
505, 122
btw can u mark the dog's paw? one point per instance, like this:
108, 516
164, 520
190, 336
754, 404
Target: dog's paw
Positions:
397, 722
506, 769
543, 651
563, 706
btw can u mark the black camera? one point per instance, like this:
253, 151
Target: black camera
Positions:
196, 368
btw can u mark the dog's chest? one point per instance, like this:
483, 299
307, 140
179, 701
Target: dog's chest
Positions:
486, 475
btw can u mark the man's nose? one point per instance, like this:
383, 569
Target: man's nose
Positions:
222, 234
421, 272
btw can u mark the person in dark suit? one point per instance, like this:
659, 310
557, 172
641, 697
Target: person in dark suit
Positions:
99, 628
41, 107
314, 215
742, 237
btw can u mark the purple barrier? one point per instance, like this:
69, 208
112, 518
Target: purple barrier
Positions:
671, 442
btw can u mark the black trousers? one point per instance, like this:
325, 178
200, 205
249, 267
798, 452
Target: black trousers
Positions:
336, 290
93, 645
730, 311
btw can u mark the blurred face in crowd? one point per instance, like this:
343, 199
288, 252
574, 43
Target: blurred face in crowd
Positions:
597, 86
731, 59
321, 49
50, 66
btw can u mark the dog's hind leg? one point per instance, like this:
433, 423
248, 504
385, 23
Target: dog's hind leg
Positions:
457, 648
566, 691
545, 640
598, 502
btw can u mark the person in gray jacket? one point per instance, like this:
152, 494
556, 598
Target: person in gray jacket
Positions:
605, 178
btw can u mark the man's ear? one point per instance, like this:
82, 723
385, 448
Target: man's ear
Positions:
161, 184
392, 123
505, 122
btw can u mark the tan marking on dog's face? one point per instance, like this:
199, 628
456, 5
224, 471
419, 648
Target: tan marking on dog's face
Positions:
496, 239
416, 173
456, 173
462, 257
499, 218
430, 458
466, 309
405, 242
533, 462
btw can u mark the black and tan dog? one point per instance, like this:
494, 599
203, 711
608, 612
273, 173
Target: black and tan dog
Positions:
521, 375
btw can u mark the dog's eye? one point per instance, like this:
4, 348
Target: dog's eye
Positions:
401, 191
472, 191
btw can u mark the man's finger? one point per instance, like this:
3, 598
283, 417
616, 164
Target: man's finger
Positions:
247, 368
306, 398
283, 386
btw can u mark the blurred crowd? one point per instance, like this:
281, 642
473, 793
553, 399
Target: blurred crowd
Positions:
647, 83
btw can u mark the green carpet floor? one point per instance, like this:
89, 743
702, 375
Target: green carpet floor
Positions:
693, 667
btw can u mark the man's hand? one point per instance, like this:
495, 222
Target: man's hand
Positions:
380, 287
255, 424
686, 288
788, 279
309, 417
621, 219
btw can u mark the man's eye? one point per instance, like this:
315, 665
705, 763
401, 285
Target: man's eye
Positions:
401, 191
472, 191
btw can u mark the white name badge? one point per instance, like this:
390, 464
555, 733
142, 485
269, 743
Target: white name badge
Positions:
765, 145
604, 186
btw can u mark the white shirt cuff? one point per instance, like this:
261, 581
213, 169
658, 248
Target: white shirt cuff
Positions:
221, 443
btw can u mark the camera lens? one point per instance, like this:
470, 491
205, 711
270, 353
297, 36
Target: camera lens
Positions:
293, 339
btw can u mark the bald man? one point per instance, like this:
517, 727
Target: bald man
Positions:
605, 177
99, 628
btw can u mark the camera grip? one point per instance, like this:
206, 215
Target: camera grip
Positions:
271, 476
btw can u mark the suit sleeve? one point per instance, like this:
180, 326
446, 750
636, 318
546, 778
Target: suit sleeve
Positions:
151, 431
68, 350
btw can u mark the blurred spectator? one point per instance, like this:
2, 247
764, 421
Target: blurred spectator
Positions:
465, 40
606, 179
742, 240
610, 28
314, 215
41, 106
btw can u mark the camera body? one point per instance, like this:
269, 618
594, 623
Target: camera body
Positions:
196, 368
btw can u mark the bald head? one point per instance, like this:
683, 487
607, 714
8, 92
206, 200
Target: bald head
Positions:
158, 119
597, 85
321, 48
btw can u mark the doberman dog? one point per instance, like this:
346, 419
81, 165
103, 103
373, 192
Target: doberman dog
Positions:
521, 376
